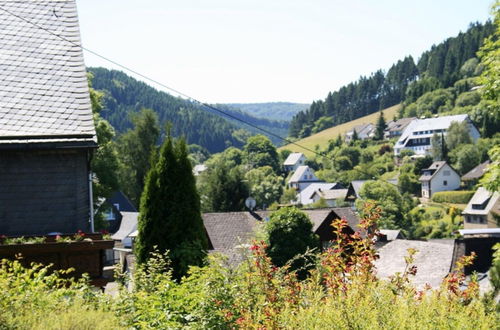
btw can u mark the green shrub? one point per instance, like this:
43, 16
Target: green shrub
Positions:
454, 197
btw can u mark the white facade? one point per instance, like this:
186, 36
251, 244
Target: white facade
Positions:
418, 134
302, 178
293, 161
439, 177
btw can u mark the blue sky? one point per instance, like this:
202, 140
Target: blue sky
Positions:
225, 51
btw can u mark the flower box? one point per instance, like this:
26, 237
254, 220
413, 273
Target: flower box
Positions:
85, 256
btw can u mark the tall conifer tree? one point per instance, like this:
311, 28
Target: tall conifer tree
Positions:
170, 217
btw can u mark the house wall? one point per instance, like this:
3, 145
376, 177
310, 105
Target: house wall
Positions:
473, 221
43, 192
452, 180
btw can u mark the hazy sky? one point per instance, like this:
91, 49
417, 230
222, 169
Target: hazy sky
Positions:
266, 50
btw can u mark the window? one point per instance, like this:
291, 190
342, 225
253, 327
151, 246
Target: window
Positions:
445, 183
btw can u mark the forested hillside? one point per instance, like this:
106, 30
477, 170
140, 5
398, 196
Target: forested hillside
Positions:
272, 110
406, 80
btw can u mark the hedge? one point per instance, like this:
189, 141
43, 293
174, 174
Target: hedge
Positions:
455, 197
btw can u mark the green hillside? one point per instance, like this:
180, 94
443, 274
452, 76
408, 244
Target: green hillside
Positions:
322, 137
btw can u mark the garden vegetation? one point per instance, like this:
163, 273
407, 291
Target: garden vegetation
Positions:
341, 291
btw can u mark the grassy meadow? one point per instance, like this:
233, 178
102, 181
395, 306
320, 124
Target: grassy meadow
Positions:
322, 137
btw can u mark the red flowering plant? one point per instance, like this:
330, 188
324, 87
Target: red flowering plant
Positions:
452, 282
350, 257
268, 290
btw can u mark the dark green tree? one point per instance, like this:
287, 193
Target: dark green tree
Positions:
439, 149
136, 147
105, 163
380, 128
170, 217
289, 233
224, 189
458, 133
260, 151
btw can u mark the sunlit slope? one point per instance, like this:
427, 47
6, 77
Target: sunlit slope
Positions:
322, 137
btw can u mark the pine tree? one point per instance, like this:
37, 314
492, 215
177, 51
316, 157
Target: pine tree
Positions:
381, 125
170, 217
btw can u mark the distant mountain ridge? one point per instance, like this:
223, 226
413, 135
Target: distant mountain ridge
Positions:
271, 110
124, 95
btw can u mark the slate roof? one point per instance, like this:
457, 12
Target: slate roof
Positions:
293, 158
482, 202
306, 194
433, 260
357, 185
44, 94
431, 170
231, 232
477, 172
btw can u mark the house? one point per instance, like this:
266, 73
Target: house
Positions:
114, 207
396, 128
471, 178
47, 133
302, 178
363, 131
231, 233
128, 225
304, 197
439, 177
391, 234
353, 191
293, 161
483, 210
198, 169
418, 134
331, 197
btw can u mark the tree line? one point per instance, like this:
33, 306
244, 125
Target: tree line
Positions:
405, 80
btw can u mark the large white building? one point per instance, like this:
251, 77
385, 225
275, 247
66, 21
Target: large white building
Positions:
418, 134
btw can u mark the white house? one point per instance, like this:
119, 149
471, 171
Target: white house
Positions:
418, 134
304, 196
293, 161
363, 131
302, 178
439, 177
330, 196
483, 210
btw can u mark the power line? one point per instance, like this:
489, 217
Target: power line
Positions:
211, 107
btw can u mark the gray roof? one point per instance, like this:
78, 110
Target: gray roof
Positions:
482, 197
306, 194
357, 185
44, 94
392, 234
477, 172
230, 230
433, 169
332, 194
127, 226
429, 124
399, 124
433, 261
293, 158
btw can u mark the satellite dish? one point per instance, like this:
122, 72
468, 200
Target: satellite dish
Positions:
250, 203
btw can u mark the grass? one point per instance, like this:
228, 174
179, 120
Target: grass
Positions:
324, 136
